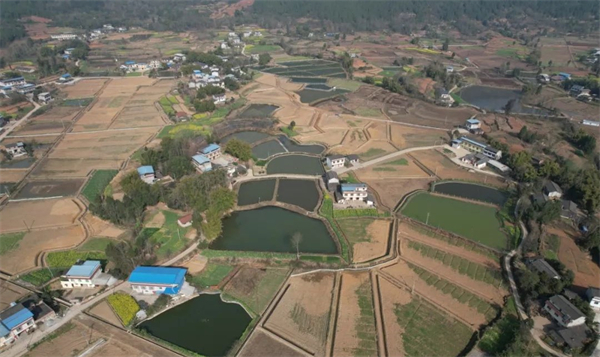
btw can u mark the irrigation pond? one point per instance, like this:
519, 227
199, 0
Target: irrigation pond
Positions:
295, 164
270, 229
256, 191
472, 191
249, 137
302, 193
313, 95
258, 111
268, 149
205, 325
494, 99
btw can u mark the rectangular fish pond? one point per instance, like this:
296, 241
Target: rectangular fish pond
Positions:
302, 193
258, 111
256, 191
308, 80
472, 191
205, 325
311, 95
295, 164
268, 149
270, 229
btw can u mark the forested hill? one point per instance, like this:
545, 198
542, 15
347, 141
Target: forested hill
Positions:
581, 16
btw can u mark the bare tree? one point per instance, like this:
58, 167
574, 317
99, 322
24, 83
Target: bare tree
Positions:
296, 240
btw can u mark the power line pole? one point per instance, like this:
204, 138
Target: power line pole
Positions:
427, 220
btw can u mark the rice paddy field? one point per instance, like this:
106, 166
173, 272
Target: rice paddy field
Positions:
470, 220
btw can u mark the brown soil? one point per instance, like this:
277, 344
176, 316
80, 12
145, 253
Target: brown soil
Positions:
9, 293
156, 221
379, 232
391, 295
388, 171
196, 264
301, 318
23, 215
100, 228
586, 272
405, 136
85, 88
263, 344
105, 312
391, 192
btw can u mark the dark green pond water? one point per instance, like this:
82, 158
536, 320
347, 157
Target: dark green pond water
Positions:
270, 229
302, 193
310, 95
318, 86
249, 137
308, 80
256, 191
472, 192
292, 146
205, 325
267, 149
494, 99
295, 164
258, 111
17, 163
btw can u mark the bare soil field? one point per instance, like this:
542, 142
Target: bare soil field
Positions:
329, 137
138, 116
390, 296
9, 293
374, 149
301, 318
403, 273
399, 167
100, 228
54, 120
77, 154
446, 169
106, 313
391, 191
586, 272
263, 344
355, 327
379, 234
36, 189
85, 88
19, 216
34, 242
196, 264
118, 342
12, 175
378, 131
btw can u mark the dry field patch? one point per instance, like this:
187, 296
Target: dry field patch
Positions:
84, 88
105, 312
391, 191
135, 117
24, 215
406, 137
301, 318
37, 241
399, 167
9, 293
11, 175
100, 228
368, 237
330, 137
586, 272
391, 296
262, 344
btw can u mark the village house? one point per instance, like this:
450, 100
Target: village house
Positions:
224, 45
543, 78
219, 98
157, 280
13, 322
573, 337
201, 163
552, 190
477, 147
146, 174
185, 221
593, 295
332, 181
41, 312
443, 97
16, 149
26, 88
498, 166
335, 161
247, 34
212, 151
568, 209
179, 57
449, 69
353, 159
44, 97
11, 82
478, 161
543, 267
81, 275
63, 37
563, 311
590, 122
181, 116
65, 78
354, 191
472, 124
576, 90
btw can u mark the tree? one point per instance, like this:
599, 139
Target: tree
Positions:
239, 149
232, 84
222, 199
534, 56
264, 58
509, 106
150, 157
369, 80
292, 125
550, 212
212, 226
591, 240
296, 240
178, 166
446, 44
203, 106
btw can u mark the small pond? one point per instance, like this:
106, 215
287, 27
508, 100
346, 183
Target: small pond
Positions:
6, 186
311, 95
256, 191
17, 163
494, 99
319, 86
302, 193
292, 146
249, 137
205, 324
270, 229
308, 80
472, 191
258, 111
267, 149
295, 164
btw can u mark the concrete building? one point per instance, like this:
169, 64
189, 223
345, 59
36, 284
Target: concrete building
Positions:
157, 280
335, 161
332, 181
543, 267
472, 123
11, 82
593, 295
81, 275
354, 191
564, 312
201, 163
477, 147
16, 149
212, 151
146, 174
45, 97
13, 322
552, 190
353, 159
185, 221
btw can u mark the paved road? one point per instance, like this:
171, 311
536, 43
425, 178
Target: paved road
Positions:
20, 346
18, 123
385, 158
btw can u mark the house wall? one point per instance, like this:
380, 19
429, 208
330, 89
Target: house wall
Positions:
595, 303
77, 283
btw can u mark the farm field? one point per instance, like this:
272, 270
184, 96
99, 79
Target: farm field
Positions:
105, 312
19, 216
83, 88
262, 344
211, 275
355, 327
586, 272
309, 68
255, 287
368, 237
470, 220
55, 120
397, 168
97, 183
10, 292
299, 317
46, 188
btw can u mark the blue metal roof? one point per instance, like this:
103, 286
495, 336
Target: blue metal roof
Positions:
86, 269
3, 331
157, 275
210, 148
197, 71
200, 159
464, 138
17, 318
144, 170
129, 62
563, 74
14, 79
352, 186
472, 121
66, 75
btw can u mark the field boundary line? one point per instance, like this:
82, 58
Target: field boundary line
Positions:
376, 307
333, 311
383, 340
35, 199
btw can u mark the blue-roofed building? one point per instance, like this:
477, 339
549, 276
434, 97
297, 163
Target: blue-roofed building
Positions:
146, 174
65, 77
477, 147
473, 124
81, 275
129, 63
11, 82
564, 76
201, 163
354, 191
13, 322
26, 88
212, 151
157, 280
